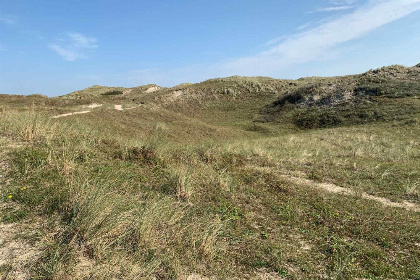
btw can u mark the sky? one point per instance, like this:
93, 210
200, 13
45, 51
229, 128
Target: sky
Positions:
55, 47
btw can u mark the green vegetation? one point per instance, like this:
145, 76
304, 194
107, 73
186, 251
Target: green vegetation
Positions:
219, 179
115, 92
386, 94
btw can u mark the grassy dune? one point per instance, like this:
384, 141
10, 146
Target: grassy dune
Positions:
193, 188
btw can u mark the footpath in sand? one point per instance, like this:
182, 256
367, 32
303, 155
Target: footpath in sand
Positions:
92, 106
70, 114
331, 188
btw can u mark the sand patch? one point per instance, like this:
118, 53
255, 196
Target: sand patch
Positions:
152, 89
70, 114
332, 188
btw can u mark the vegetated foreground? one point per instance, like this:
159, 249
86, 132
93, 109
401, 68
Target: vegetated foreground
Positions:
233, 178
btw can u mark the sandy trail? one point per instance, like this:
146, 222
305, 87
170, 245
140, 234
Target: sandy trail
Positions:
92, 106
70, 114
340, 190
332, 188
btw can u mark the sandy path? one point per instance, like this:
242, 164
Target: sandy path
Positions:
332, 188
340, 190
94, 105
91, 106
70, 114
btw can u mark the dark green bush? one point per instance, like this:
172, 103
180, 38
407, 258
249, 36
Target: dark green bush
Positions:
114, 92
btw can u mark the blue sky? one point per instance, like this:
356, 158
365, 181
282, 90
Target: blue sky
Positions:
55, 47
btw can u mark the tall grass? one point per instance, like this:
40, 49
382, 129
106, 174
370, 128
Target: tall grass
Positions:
156, 207
150, 233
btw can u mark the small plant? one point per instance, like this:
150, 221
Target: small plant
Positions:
182, 181
264, 235
230, 212
141, 154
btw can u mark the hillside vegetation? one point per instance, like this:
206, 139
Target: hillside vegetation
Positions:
384, 94
231, 178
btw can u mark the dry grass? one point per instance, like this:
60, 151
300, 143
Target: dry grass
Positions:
152, 193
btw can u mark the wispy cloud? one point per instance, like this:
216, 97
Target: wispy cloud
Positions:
75, 46
336, 5
342, 2
67, 53
80, 41
274, 41
318, 43
303, 26
8, 19
333, 8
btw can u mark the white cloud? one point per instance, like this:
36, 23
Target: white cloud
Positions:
323, 42
66, 53
274, 41
319, 42
8, 19
74, 47
336, 5
342, 2
81, 41
303, 26
333, 8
